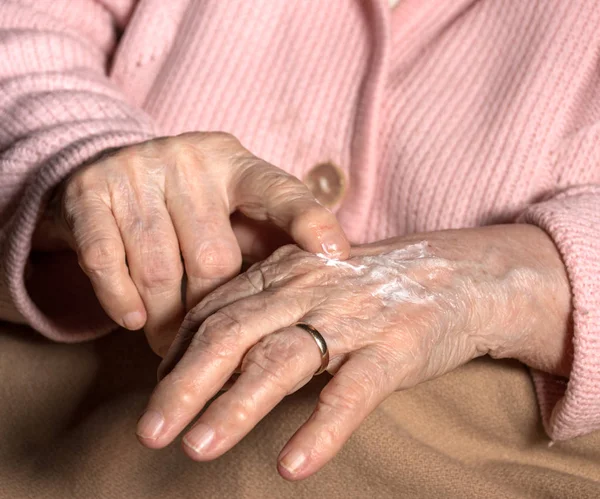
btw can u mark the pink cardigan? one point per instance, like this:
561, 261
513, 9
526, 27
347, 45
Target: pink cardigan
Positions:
442, 114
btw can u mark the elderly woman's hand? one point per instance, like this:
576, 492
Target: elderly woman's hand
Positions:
135, 214
395, 314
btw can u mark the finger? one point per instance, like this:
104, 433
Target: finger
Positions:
155, 266
263, 192
257, 240
276, 366
213, 355
101, 256
210, 250
247, 284
359, 386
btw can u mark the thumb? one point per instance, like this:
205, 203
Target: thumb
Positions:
263, 192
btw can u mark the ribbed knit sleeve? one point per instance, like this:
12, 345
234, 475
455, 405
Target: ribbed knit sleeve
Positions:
58, 109
572, 219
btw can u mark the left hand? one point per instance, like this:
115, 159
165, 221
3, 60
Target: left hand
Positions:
397, 313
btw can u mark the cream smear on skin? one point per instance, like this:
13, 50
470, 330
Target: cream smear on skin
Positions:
387, 273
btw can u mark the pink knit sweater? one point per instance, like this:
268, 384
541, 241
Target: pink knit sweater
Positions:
442, 114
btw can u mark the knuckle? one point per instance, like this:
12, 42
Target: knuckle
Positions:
269, 357
330, 432
220, 335
191, 321
132, 221
275, 179
314, 217
160, 267
276, 358
283, 188
181, 388
203, 310
221, 348
215, 260
284, 263
275, 183
345, 397
191, 144
185, 151
81, 183
255, 277
218, 139
284, 252
159, 276
100, 256
241, 412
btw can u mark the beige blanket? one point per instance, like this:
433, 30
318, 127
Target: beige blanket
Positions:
68, 414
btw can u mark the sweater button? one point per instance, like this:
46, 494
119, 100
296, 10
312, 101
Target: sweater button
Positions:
327, 182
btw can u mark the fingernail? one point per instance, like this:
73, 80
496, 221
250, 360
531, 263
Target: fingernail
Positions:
293, 460
331, 248
150, 425
199, 438
133, 320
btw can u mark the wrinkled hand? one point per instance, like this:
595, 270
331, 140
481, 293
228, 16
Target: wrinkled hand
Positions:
135, 214
395, 314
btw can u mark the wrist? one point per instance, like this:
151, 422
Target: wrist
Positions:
538, 312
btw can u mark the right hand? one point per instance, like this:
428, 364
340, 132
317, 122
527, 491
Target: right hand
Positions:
141, 217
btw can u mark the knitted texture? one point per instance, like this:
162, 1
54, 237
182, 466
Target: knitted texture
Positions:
441, 114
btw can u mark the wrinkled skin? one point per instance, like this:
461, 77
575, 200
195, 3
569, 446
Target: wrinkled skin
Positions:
142, 216
395, 314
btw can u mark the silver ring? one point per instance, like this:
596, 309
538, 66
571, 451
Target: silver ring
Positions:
321, 343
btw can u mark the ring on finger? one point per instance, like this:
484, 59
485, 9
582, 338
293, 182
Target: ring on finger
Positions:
321, 343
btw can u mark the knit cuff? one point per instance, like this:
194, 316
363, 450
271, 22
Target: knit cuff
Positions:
76, 315
572, 219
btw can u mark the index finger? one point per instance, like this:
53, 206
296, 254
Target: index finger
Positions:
264, 192
212, 357
102, 258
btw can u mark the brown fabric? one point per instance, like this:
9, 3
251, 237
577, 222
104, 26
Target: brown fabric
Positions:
68, 413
